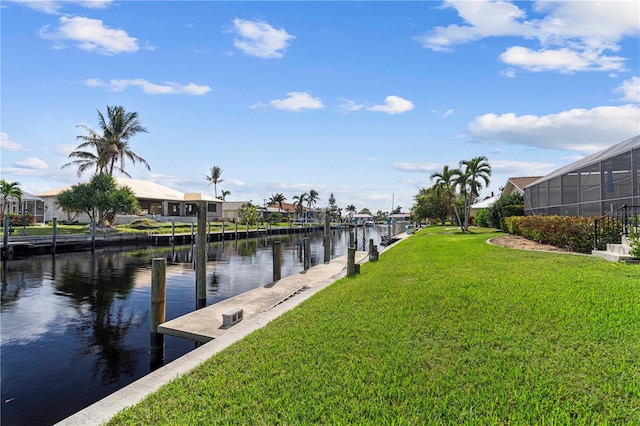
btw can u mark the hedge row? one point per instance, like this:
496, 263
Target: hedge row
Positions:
574, 233
18, 219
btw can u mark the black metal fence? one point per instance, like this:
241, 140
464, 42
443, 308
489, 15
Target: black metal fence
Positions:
610, 228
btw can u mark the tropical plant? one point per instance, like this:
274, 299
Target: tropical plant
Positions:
9, 189
477, 170
298, 203
101, 199
278, 199
223, 194
214, 178
431, 203
352, 210
446, 180
111, 144
312, 199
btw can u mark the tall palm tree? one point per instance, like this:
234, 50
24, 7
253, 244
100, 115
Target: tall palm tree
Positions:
298, 202
477, 170
278, 199
9, 189
312, 199
351, 209
214, 178
447, 180
111, 144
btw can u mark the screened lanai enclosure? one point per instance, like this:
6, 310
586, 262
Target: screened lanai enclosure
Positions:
593, 186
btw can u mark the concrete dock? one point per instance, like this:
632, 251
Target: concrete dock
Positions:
206, 324
260, 306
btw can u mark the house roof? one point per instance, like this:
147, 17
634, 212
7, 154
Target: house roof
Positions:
486, 203
522, 182
26, 196
144, 189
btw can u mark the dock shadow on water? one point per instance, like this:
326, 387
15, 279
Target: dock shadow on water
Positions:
75, 326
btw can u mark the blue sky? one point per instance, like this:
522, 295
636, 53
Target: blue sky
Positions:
364, 100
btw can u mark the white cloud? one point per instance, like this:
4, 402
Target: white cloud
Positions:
417, 167
260, 39
522, 168
572, 35
448, 113
92, 35
297, 101
32, 163
349, 105
585, 130
630, 90
7, 144
168, 88
564, 60
393, 105
54, 6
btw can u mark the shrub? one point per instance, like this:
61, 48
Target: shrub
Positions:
16, 219
574, 233
495, 211
483, 218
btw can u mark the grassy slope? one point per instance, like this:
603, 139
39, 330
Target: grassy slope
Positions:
445, 329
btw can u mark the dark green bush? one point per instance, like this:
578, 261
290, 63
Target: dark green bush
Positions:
575, 233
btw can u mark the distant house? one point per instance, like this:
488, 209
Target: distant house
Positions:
516, 185
30, 204
156, 201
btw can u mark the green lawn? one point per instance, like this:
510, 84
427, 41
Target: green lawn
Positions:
444, 329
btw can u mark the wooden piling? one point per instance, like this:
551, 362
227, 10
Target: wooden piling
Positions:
55, 235
93, 233
306, 242
5, 235
173, 232
277, 260
352, 239
351, 261
327, 248
158, 310
201, 256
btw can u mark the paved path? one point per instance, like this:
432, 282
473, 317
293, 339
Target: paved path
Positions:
261, 306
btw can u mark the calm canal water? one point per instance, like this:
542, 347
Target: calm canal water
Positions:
75, 327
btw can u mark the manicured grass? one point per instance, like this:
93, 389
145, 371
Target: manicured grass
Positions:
444, 329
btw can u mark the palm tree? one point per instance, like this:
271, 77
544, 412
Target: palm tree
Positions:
278, 199
312, 198
298, 202
476, 170
214, 178
112, 145
9, 189
351, 209
447, 180
223, 194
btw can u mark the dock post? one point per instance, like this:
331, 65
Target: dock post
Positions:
223, 229
208, 230
373, 251
55, 235
5, 236
306, 242
93, 233
351, 238
191, 233
327, 238
201, 257
158, 311
351, 261
277, 260
173, 232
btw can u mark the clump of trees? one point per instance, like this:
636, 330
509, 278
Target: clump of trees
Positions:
101, 199
453, 192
